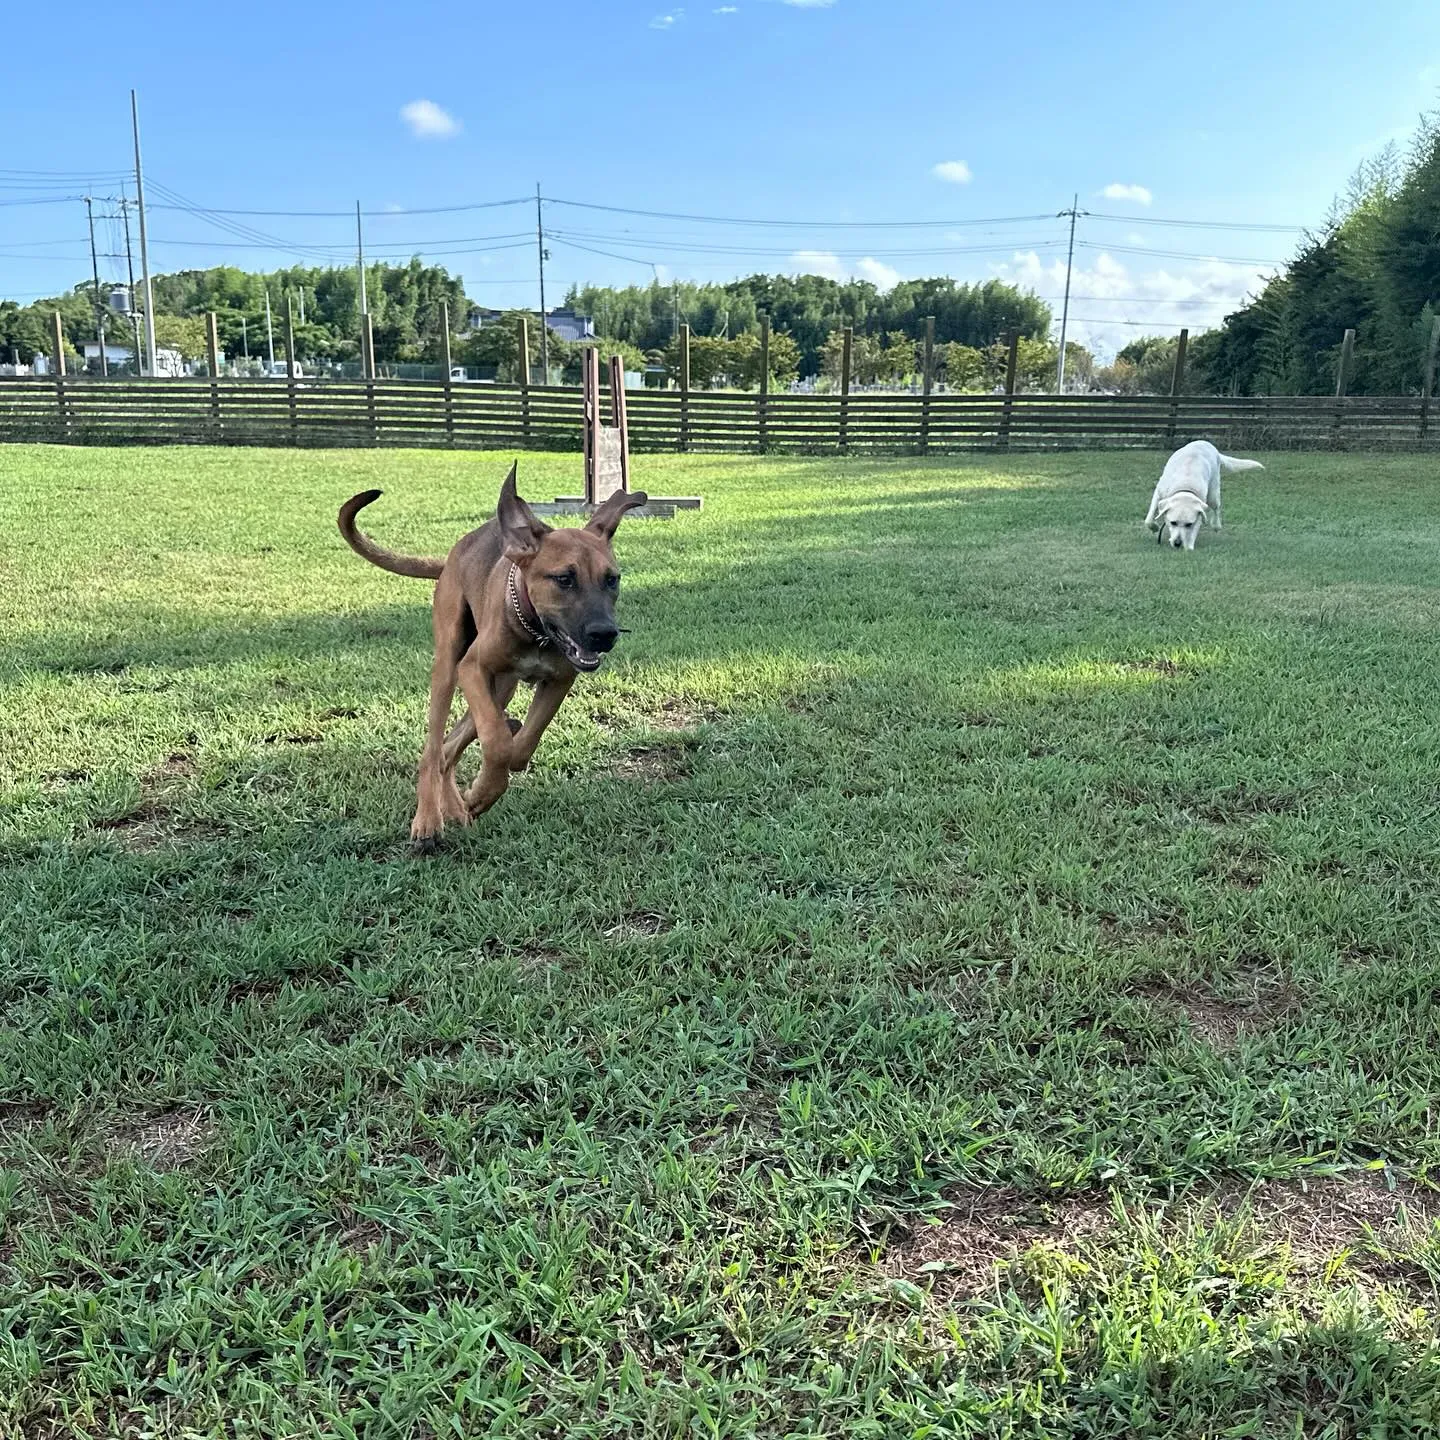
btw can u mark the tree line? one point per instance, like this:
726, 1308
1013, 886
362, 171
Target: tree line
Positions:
809, 309
1374, 267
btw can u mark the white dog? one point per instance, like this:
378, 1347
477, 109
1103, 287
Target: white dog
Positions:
1188, 492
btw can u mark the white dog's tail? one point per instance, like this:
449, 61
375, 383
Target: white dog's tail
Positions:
1229, 464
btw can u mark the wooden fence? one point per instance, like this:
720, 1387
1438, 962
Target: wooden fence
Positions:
83, 411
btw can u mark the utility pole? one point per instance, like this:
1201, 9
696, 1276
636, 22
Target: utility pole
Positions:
1074, 213
544, 329
365, 356
130, 277
95, 275
144, 248
269, 332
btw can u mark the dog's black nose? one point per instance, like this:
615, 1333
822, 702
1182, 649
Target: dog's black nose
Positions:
601, 636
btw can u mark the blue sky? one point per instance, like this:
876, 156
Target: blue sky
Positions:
846, 113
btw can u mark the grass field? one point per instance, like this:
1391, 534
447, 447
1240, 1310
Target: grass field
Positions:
959, 970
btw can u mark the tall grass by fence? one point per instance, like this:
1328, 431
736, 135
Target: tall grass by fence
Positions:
81, 411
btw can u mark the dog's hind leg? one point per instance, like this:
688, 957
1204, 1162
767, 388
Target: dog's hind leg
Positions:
1212, 499
438, 799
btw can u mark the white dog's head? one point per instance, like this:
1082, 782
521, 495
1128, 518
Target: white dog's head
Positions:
1181, 517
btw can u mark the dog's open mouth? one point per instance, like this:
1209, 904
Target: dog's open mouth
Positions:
576, 654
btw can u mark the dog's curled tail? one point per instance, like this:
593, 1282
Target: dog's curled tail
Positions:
1229, 464
419, 567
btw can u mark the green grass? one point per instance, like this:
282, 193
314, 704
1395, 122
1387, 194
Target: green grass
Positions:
941, 874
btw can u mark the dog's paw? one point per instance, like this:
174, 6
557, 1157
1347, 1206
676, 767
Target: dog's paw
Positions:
513, 723
424, 844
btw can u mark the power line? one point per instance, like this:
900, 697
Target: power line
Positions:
1177, 254
798, 224
346, 214
1197, 224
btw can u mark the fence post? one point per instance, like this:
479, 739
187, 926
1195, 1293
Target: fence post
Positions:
684, 388
846, 349
290, 368
620, 416
522, 373
1342, 383
212, 356
367, 349
57, 352
1177, 384
445, 371
927, 383
1012, 362
1427, 390
762, 400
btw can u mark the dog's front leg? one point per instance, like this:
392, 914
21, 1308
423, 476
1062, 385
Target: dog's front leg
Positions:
545, 704
463, 735
493, 730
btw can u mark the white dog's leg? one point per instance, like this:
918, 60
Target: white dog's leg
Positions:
1153, 511
1212, 499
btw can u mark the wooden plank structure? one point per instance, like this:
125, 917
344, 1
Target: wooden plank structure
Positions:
123, 410
606, 448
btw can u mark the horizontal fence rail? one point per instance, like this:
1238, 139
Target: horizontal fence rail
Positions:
85, 411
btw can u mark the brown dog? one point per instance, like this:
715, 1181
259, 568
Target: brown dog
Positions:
515, 600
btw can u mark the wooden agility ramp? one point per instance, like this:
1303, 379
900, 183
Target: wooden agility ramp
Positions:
607, 450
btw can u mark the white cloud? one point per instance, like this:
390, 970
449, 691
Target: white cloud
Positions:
956, 172
427, 121
662, 22
809, 4
1110, 304
726, 10
878, 273
818, 262
1138, 193
832, 267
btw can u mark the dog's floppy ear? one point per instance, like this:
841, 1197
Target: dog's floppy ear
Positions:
520, 532
607, 517
1204, 515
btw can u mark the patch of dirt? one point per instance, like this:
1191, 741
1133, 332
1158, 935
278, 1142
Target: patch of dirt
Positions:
1323, 1216
175, 766
639, 925
151, 825
56, 780
166, 1142
360, 1237
19, 1115
337, 712
654, 764
302, 737
960, 1258
531, 959
1219, 1022
676, 714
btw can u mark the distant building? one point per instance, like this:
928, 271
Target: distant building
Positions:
567, 324
169, 364
116, 356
